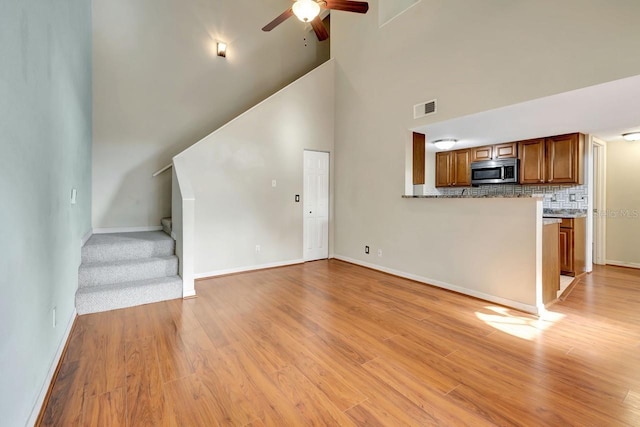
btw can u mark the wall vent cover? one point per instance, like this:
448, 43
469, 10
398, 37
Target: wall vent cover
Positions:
424, 109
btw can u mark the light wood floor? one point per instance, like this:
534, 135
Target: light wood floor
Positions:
329, 343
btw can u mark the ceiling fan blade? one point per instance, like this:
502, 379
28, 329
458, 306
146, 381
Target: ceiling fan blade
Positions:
319, 28
347, 5
279, 20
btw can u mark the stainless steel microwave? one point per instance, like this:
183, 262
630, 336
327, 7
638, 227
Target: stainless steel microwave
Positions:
504, 171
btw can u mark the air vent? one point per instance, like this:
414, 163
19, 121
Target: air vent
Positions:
424, 109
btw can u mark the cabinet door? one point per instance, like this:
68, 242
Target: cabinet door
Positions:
461, 168
563, 159
505, 151
566, 250
443, 169
531, 155
479, 154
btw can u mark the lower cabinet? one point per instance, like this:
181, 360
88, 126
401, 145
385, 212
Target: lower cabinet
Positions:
572, 246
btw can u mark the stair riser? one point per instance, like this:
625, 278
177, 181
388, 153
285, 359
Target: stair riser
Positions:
134, 250
112, 299
95, 275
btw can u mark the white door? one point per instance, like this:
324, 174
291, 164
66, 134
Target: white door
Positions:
316, 205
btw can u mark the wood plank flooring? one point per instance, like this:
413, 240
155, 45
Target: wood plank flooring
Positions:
330, 343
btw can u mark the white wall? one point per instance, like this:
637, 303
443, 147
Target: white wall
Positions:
623, 203
471, 56
158, 88
231, 170
45, 139
485, 247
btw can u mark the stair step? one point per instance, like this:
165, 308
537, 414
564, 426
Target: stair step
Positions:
123, 246
104, 273
100, 298
167, 225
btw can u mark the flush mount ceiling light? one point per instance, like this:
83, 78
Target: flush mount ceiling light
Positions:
221, 49
445, 144
306, 10
631, 136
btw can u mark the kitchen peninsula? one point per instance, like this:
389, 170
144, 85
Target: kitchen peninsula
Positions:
498, 248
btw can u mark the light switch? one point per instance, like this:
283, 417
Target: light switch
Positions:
273, 183
74, 194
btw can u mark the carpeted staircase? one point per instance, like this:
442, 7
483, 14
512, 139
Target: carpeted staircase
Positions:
121, 270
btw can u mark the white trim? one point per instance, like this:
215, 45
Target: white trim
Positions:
599, 223
396, 16
86, 237
247, 268
169, 166
437, 283
623, 263
187, 227
126, 229
37, 407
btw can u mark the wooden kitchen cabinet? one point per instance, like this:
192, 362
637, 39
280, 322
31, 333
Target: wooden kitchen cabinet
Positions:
552, 160
572, 246
481, 154
508, 150
532, 164
564, 155
453, 168
550, 263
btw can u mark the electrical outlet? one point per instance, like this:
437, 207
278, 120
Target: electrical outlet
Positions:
380, 253
54, 320
274, 183
554, 198
257, 249
572, 197
366, 249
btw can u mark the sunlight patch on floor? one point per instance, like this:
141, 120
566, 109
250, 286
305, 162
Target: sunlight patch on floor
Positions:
519, 325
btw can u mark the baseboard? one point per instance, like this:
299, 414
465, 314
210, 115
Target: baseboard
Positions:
86, 237
38, 408
439, 284
126, 229
623, 264
187, 295
199, 276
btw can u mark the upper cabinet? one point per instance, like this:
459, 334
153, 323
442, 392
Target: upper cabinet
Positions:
553, 160
564, 158
453, 168
532, 164
494, 152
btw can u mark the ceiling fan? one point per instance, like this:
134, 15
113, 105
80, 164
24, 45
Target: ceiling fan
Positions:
309, 11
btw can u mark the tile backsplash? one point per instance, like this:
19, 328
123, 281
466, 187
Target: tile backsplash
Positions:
555, 196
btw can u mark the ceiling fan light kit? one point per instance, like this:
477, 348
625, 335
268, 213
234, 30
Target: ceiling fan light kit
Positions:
306, 10
309, 11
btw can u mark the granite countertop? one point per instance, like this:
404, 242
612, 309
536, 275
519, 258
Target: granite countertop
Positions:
564, 213
549, 221
486, 196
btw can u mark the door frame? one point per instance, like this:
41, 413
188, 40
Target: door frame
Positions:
597, 203
329, 205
